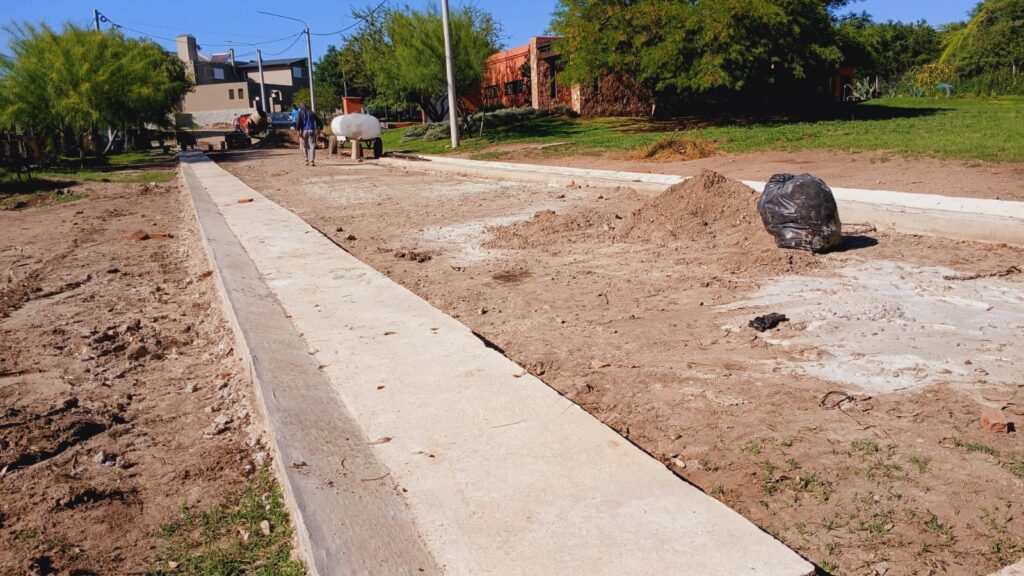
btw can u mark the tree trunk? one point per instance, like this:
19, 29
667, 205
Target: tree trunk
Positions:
97, 142
430, 109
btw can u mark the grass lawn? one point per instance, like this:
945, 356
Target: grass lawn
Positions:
989, 129
250, 535
47, 185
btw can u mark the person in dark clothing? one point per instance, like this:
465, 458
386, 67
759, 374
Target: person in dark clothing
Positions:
306, 124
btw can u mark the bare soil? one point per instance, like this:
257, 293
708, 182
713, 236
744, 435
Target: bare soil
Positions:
870, 170
634, 324
115, 361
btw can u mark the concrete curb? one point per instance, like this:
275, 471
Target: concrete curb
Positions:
342, 525
502, 474
1012, 570
974, 219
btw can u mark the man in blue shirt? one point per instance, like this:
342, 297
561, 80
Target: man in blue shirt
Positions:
306, 123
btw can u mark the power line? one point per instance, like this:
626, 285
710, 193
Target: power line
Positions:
104, 19
297, 36
354, 24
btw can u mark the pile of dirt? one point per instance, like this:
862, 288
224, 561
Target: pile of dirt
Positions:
714, 215
675, 148
548, 227
707, 209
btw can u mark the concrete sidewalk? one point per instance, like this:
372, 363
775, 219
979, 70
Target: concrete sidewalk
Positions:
975, 219
500, 474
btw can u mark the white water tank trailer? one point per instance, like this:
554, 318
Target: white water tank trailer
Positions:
358, 128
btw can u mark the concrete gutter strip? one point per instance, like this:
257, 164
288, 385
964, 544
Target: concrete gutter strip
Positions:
503, 475
343, 524
958, 218
1013, 570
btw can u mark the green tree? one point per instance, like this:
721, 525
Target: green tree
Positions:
343, 71
992, 40
698, 47
403, 50
327, 100
62, 85
887, 50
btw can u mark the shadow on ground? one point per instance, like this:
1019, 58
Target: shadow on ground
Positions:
722, 118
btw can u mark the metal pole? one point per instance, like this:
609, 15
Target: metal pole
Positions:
96, 18
263, 92
453, 113
309, 59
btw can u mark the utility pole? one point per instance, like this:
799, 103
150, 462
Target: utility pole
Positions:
96, 18
263, 92
309, 60
453, 114
309, 54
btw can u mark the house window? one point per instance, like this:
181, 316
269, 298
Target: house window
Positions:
218, 73
515, 87
241, 95
491, 92
231, 93
296, 72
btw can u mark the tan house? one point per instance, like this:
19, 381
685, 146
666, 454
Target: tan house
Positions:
226, 88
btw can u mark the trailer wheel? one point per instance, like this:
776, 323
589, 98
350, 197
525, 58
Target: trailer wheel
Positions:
378, 148
332, 145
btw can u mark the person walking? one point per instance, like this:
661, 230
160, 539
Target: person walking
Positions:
306, 124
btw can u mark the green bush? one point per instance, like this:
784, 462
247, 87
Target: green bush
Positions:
437, 131
415, 132
471, 124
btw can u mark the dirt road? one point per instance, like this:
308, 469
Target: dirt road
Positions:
122, 398
850, 432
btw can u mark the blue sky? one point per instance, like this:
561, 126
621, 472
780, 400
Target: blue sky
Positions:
218, 23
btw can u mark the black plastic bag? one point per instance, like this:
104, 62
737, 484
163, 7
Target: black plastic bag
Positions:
800, 212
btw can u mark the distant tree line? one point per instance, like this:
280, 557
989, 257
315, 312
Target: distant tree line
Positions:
396, 57
754, 51
66, 87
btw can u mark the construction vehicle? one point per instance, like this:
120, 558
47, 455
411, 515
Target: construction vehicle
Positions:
249, 127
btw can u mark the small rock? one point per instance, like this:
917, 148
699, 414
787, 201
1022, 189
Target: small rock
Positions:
137, 351
220, 424
105, 336
339, 229
123, 463
265, 528
483, 310
995, 421
212, 408
259, 458
105, 458
350, 237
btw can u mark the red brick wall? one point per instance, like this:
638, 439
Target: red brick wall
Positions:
502, 73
